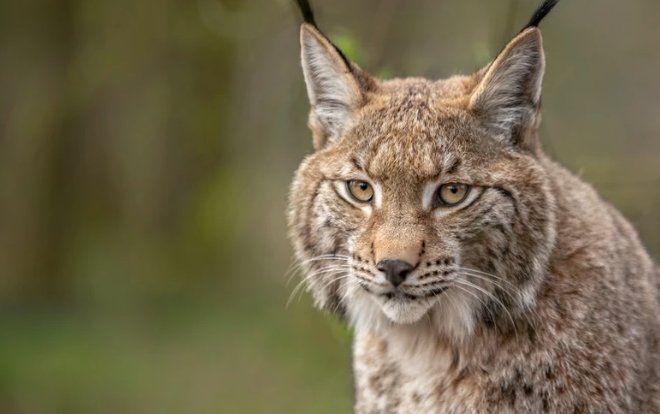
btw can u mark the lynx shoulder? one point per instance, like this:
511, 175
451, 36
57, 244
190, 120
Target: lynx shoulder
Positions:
478, 275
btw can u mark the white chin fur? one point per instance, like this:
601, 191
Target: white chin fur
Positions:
405, 311
451, 317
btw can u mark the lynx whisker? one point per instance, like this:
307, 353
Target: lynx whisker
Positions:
297, 266
492, 297
479, 299
514, 292
330, 269
491, 275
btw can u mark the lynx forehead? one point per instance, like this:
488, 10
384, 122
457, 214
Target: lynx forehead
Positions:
478, 275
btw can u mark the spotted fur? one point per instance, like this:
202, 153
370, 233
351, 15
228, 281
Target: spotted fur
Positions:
534, 295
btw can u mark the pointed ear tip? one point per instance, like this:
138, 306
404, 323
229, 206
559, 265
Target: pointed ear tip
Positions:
309, 33
526, 39
304, 29
531, 29
306, 34
307, 29
532, 33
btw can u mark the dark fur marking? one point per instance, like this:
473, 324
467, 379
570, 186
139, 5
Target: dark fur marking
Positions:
453, 167
508, 194
455, 360
508, 392
306, 230
549, 374
488, 210
356, 164
434, 292
545, 404
487, 317
500, 227
435, 282
459, 378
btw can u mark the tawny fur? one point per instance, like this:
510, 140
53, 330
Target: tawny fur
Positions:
552, 303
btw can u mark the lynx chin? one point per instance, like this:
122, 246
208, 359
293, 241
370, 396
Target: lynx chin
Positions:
478, 275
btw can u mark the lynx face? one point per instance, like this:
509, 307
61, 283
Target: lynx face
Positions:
424, 201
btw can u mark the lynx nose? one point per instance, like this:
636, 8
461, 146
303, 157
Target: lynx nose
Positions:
395, 271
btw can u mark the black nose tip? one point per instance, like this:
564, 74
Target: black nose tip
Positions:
395, 271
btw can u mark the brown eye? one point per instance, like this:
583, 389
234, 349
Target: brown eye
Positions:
360, 190
452, 193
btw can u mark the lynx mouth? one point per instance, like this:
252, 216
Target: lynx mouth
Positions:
399, 295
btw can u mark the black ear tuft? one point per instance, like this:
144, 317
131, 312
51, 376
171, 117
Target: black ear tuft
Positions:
307, 13
308, 17
541, 12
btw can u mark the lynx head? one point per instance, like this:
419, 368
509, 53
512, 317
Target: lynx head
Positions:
424, 200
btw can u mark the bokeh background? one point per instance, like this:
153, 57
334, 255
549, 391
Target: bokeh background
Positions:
146, 149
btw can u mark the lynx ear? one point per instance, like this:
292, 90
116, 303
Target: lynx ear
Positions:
332, 86
507, 98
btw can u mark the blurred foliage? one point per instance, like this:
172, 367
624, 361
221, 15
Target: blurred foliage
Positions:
146, 152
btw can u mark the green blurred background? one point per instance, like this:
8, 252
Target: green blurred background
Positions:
146, 149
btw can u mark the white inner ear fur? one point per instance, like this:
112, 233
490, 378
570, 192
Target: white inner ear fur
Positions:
331, 88
511, 88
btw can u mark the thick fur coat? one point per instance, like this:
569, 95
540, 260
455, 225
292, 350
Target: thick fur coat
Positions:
530, 294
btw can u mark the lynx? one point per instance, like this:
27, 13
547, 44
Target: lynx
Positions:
478, 275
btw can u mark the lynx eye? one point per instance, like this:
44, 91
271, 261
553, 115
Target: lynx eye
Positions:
452, 193
361, 191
